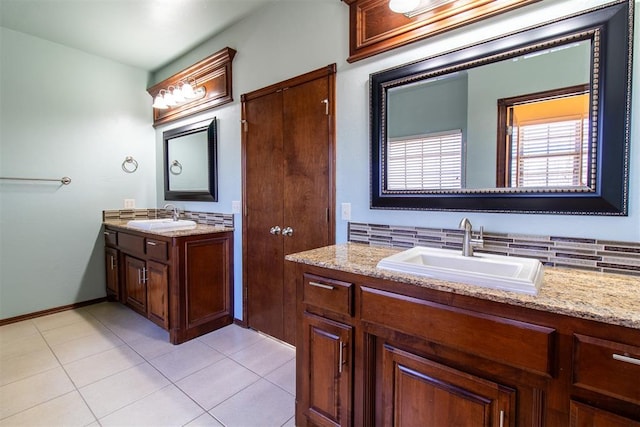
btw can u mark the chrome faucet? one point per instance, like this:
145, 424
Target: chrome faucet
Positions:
175, 213
468, 242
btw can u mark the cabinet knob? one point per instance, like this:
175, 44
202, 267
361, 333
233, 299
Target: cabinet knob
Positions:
288, 231
275, 230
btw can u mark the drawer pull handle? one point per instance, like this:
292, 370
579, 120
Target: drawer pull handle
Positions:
106, 233
626, 359
341, 360
501, 418
150, 243
321, 285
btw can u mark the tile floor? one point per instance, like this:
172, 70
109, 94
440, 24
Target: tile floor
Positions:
104, 365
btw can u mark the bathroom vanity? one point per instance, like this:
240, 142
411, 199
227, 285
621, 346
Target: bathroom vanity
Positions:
378, 347
181, 280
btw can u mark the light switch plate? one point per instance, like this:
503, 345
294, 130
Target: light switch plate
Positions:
129, 203
346, 211
236, 206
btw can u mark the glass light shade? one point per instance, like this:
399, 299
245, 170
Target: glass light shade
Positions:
403, 6
187, 91
158, 102
177, 95
169, 99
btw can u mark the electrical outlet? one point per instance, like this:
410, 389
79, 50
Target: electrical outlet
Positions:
129, 203
346, 211
236, 206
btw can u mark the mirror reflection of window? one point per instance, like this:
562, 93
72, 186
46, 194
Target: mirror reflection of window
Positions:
425, 162
547, 139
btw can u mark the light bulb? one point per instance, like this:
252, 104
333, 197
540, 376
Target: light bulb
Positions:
177, 95
403, 6
187, 91
168, 98
158, 101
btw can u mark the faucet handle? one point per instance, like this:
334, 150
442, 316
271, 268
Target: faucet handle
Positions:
481, 237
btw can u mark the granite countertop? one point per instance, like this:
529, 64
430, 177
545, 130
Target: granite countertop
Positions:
200, 229
608, 298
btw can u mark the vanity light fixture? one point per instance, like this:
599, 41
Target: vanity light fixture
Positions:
411, 8
180, 93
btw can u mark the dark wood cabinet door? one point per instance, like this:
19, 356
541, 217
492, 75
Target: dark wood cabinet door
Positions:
263, 187
288, 188
111, 267
419, 392
157, 278
326, 357
135, 289
587, 416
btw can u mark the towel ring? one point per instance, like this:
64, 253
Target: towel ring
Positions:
129, 160
175, 164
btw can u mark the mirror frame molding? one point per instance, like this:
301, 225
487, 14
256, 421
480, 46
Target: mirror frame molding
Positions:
211, 127
612, 24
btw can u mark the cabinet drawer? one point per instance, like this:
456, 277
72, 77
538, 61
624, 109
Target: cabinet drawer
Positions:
607, 367
110, 237
511, 342
131, 243
157, 249
329, 294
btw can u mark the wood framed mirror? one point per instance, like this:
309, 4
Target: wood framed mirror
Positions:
418, 109
190, 162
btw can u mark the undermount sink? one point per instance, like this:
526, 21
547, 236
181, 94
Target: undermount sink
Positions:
165, 224
491, 271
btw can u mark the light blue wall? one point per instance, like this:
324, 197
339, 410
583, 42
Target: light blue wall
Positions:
64, 112
293, 37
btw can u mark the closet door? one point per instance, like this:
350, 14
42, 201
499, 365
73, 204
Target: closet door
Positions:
263, 194
288, 192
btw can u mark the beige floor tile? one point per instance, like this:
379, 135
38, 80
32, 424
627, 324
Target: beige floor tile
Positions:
119, 390
264, 356
93, 368
135, 329
186, 359
260, 404
166, 407
290, 423
231, 339
79, 329
26, 365
58, 320
20, 347
89, 345
67, 410
216, 383
32, 391
285, 377
152, 347
17, 331
204, 420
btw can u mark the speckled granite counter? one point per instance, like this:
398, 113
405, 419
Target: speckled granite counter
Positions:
608, 298
200, 229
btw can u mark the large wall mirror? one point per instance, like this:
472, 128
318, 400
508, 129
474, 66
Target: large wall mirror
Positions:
536, 121
190, 162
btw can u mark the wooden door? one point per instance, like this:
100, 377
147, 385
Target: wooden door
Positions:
326, 356
158, 293
135, 289
288, 191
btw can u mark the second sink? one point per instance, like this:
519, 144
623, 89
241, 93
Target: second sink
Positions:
492, 271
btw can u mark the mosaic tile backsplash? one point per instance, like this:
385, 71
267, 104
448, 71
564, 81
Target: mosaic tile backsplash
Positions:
588, 254
208, 218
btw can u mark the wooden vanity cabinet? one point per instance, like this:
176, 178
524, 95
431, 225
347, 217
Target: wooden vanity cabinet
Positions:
183, 284
413, 356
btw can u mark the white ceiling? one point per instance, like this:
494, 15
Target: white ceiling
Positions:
143, 33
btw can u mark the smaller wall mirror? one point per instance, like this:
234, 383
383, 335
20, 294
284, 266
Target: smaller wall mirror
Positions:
190, 162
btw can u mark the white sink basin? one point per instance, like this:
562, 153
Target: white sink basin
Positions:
165, 224
491, 271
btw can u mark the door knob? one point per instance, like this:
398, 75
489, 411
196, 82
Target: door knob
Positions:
275, 230
288, 231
